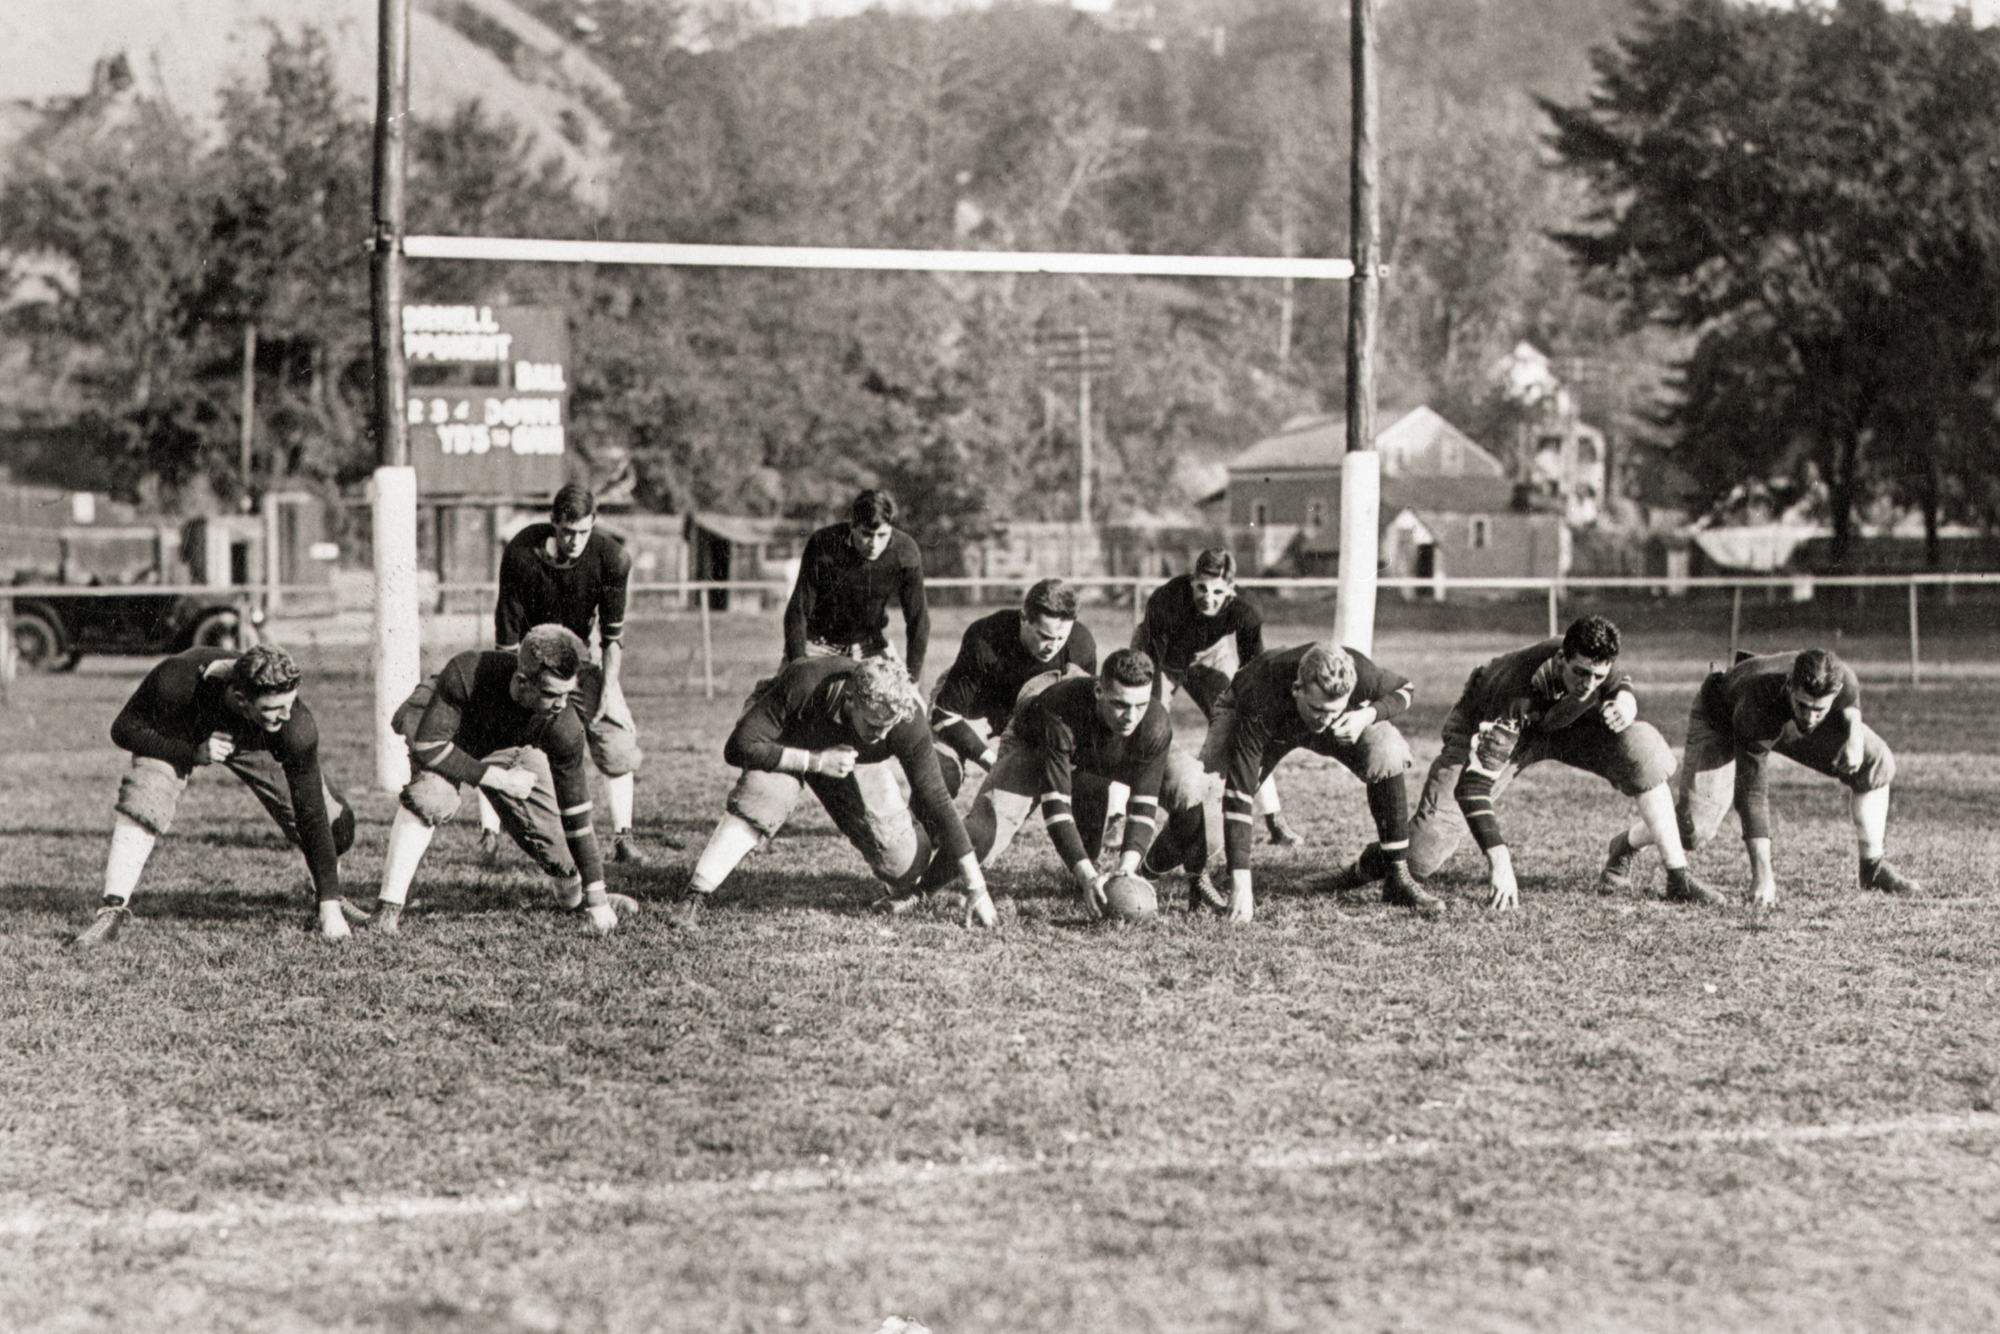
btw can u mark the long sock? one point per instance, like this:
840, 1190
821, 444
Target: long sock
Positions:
569, 891
1389, 803
1871, 828
1656, 811
618, 796
729, 844
1266, 801
131, 844
489, 819
409, 839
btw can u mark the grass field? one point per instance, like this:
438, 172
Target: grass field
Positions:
1594, 1114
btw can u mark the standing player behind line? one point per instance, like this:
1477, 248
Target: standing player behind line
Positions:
832, 725
212, 706
1806, 707
1109, 729
1192, 621
502, 721
565, 572
847, 575
1000, 654
1562, 699
1334, 702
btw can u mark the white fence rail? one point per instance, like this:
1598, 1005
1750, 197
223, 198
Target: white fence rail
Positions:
1125, 589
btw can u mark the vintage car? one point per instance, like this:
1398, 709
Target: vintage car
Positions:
121, 603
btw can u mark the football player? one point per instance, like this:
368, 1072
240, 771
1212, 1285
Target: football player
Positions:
212, 706
1805, 706
847, 574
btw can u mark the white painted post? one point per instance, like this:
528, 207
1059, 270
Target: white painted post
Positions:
398, 628
1360, 507
1916, 663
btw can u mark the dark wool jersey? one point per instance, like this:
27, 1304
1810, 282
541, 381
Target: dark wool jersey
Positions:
1174, 632
804, 708
1062, 729
180, 705
536, 590
1268, 728
993, 664
843, 599
1752, 702
472, 713
1525, 688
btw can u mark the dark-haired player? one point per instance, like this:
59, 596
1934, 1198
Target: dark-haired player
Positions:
1111, 728
833, 726
502, 722
1805, 706
1201, 633
242, 711
999, 655
569, 572
1562, 699
1334, 702
847, 575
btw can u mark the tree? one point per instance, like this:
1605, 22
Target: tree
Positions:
1810, 194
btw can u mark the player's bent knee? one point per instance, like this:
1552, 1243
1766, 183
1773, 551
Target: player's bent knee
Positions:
431, 797
1385, 753
763, 800
1641, 761
343, 829
149, 795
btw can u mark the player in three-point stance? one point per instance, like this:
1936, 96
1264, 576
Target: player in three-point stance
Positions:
567, 572
1111, 728
847, 574
832, 725
1562, 699
1805, 706
999, 655
242, 711
503, 722
1200, 633
1334, 702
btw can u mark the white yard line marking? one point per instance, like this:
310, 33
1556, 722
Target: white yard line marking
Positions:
36, 1222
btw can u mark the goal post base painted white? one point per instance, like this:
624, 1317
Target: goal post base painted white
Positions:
1360, 548
398, 627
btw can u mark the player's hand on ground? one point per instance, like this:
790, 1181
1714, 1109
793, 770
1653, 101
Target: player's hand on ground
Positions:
216, 750
516, 783
1092, 881
979, 906
333, 922
1242, 903
1500, 876
836, 760
1620, 711
1764, 894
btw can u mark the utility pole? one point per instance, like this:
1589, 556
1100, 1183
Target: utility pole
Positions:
1082, 353
398, 633
1361, 469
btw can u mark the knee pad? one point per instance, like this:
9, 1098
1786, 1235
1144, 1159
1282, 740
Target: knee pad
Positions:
615, 752
1645, 760
149, 794
431, 797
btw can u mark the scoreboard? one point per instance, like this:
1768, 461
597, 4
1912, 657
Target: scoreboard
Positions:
488, 403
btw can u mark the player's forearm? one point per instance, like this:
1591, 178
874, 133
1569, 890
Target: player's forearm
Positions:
134, 732
614, 663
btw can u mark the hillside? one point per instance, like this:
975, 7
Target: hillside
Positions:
182, 51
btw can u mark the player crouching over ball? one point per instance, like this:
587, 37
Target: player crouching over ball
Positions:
831, 724
502, 720
212, 706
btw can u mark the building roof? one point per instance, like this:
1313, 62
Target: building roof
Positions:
1420, 443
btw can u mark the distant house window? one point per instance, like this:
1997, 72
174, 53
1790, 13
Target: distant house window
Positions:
1316, 514
1259, 514
1482, 533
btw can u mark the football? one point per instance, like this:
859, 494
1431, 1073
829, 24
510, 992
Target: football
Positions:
1127, 898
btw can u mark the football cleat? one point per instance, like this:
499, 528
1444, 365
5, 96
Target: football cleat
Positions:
1204, 895
1348, 878
1682, 887
684, 913
387, 919
1891, 881
1619, 861
1282, 832
624, 848
110, 919
1401, 888
489, 846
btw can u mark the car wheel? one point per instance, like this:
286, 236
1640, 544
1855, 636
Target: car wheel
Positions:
38, 644
221, 629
